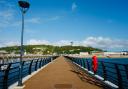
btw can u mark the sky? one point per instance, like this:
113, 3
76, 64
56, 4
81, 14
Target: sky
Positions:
97, 23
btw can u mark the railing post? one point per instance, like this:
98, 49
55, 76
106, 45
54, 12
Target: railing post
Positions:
30, 67
23, 63
75, 60
81, 62
119, 77
51, 59
126, 70
40, 63
5, 79
36, 64
70, 59
104, 71
84, 63
44, 61
0, 65
88, 66
47, 60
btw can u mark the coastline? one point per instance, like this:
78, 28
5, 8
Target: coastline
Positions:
101, 56
72, 55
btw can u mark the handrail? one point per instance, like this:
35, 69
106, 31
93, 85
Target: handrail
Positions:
112, 72
10, 74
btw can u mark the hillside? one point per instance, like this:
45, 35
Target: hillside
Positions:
49, 49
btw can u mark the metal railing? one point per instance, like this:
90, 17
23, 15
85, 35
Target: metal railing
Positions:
114, 72
9, 73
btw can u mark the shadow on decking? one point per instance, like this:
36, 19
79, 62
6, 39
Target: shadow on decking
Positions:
85, 77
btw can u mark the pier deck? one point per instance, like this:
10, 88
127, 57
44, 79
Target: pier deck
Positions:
58, 75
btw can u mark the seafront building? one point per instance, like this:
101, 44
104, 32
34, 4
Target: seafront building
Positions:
104, 54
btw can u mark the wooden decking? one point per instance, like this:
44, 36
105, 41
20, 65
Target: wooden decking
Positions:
58, 75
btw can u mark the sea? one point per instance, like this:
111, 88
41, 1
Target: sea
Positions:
111, 71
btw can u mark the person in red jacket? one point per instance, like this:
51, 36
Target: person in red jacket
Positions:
94, 64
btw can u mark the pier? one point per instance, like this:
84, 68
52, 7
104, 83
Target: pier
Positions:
64, 72
59, 75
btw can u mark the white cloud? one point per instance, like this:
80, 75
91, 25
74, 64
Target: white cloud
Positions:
6, 18
97, 42
30, 31
62, 43
54, 18
37, 42
12, 43
33, 20
7, 13
9, 43
106, 43
74, 6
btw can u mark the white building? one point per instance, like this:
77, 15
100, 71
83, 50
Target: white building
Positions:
112, 53
84, 53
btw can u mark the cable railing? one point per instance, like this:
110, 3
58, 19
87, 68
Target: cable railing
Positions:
113, 72
9, 73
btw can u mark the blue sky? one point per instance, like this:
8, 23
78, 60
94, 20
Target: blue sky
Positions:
98, 23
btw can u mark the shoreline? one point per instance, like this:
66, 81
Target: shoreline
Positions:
102, 56
72, 55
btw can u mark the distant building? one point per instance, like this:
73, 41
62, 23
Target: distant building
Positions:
3, 52
124, 53
37, 50
98, 53
2, 55
84, 53
112, 53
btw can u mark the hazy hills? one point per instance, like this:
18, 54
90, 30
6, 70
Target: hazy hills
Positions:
49, 49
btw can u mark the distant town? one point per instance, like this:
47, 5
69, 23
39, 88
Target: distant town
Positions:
40, 50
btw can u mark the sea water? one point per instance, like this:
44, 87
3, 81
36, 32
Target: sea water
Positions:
111, 70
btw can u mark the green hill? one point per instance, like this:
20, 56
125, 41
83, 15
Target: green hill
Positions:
49, 49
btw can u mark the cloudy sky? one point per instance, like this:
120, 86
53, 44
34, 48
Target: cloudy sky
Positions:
97, 23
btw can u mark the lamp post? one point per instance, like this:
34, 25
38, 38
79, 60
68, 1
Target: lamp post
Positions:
24, 6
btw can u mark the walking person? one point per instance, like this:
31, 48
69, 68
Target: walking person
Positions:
94, 64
